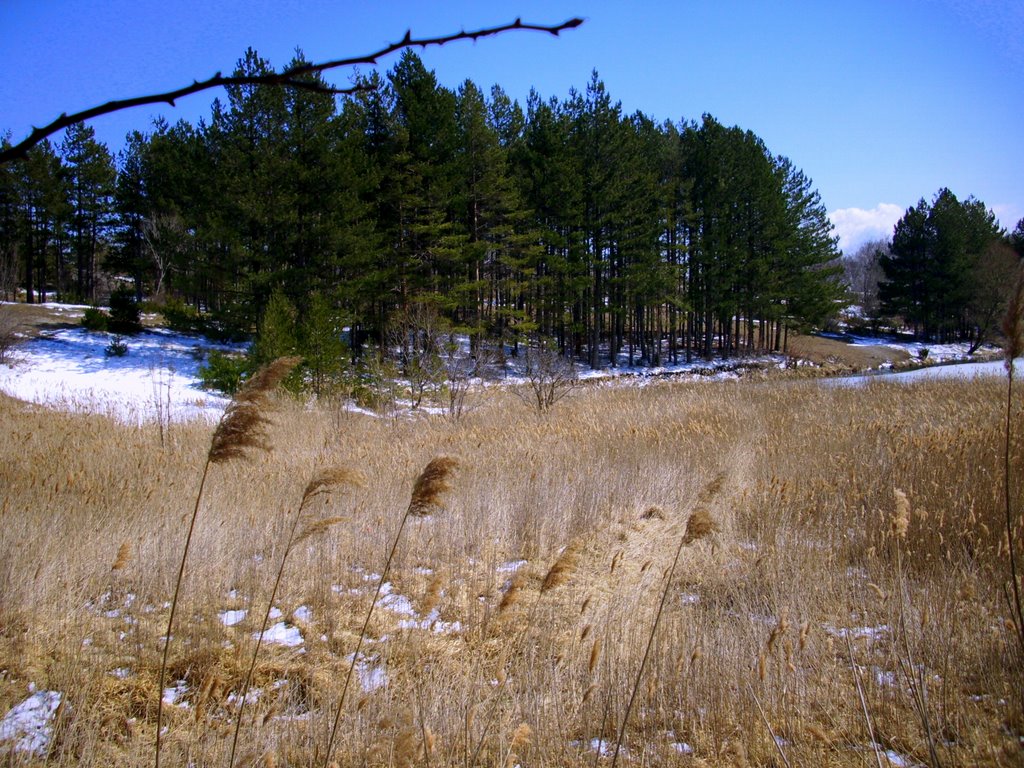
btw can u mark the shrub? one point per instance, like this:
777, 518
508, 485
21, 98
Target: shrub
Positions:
116, 348
95, 319
181, 317
224, 373
124, 312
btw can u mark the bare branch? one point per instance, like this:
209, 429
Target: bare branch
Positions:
288, 78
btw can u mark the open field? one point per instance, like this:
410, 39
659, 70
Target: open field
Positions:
801, 630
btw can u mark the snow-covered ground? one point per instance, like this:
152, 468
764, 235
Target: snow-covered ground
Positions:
157, 379
965, 371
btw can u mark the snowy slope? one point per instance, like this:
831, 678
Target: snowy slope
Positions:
157, 379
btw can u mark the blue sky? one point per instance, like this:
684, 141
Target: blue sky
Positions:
880, 102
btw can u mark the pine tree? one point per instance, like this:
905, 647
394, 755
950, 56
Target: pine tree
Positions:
42, 192
931, 271
91, 177
133, 209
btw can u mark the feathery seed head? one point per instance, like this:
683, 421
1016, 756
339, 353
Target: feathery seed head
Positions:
331, 478
1013, 323
700, 525
124, 554
522, 736
563, 568
430, 485
242, 427
901, 517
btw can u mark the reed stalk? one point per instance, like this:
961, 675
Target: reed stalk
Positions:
241, 428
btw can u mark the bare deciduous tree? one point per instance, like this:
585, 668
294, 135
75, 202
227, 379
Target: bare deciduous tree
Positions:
549, 376
863, 272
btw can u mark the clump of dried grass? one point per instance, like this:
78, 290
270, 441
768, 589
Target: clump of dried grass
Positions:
431, 483
800, 538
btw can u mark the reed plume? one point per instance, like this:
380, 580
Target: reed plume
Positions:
242, 427
900, 523
124, 554
562, 569
431, 485
426, 493
699, 525
522, 737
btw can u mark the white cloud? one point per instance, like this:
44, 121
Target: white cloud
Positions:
1008, 215
855, 226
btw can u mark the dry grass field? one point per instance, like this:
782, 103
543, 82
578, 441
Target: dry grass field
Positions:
797, 627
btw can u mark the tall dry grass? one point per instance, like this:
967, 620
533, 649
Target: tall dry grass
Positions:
753, 642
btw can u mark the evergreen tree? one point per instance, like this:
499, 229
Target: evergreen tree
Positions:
42, 192
937, 252
321, 344
10, 232
91, 176
132, 205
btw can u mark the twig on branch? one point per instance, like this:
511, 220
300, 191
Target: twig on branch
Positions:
288, 78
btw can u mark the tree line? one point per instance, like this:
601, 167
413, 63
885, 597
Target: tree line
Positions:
610, 236
945, 275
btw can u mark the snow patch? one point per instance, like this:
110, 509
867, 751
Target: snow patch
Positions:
29, 725
372, 675
282, 634
231, 618
157, 379
855, 633
512, 566
172, 696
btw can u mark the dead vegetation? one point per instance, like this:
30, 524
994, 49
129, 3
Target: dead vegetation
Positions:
710, 570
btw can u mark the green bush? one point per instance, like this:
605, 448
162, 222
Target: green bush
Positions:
224, 373
95, 319
116, 347
184, 318
181, 317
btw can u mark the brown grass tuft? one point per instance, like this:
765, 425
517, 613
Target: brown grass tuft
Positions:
514, 592
430, 485
595, 656
653, 513
711, 490
432, 594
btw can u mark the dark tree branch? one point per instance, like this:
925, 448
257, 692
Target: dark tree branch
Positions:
287, 78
